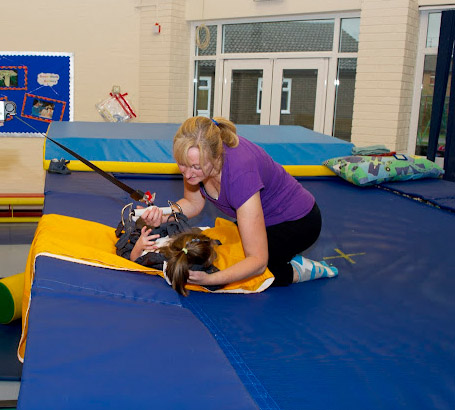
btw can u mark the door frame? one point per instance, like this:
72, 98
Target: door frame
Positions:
272, 85
320, 64
266, 65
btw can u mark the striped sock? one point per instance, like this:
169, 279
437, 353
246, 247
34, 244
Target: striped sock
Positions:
308, 270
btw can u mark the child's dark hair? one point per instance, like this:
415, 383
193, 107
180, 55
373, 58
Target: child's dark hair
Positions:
185, 251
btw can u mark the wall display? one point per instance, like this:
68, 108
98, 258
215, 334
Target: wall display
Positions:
41, 86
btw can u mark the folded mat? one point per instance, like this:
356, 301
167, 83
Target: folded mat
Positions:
90, 243
439, 192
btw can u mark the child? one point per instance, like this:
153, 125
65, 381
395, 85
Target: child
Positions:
175, 255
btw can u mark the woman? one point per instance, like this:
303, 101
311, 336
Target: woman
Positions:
277, 218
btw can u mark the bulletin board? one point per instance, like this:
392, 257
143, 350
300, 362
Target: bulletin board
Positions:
41, 86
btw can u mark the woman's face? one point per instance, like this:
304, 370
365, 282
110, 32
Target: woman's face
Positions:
193, 172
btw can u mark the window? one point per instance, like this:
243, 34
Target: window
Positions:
344, 98
204, 80
349, 35
345, 80
204, 96
425, 79
285, 96
278, 36
259, 96
333, 40
206, 40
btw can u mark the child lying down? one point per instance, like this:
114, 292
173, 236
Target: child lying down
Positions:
168, 249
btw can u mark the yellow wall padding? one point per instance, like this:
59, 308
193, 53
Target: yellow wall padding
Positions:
11, 291
22, 219
12, 199
126, 167
308, 170
171, 168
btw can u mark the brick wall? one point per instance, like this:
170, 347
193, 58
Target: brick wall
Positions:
385, 72
163, 62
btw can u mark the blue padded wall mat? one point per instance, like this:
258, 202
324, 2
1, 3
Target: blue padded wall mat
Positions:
380, 335
100, 338
439, 192
142, 142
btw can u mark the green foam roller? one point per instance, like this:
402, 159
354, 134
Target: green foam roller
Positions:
11, 293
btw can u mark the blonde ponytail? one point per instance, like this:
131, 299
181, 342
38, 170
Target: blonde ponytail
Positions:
206, 135
228, 131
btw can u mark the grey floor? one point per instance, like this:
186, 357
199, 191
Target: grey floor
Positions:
15, 241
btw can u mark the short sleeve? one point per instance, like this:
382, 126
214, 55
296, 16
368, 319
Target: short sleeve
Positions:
244, 187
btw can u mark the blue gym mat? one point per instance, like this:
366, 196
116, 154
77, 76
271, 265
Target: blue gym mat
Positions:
152, 143
100, 341
379, 336
438, 192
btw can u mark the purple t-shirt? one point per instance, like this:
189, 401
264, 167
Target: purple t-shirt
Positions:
248, 169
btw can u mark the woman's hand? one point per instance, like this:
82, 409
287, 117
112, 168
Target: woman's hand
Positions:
198, 277
146, 242
153, 216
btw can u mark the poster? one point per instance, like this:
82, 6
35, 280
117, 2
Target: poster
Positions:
41, 86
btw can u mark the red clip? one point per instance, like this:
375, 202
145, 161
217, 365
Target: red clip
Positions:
150, 198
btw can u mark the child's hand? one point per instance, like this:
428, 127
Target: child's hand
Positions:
146, 242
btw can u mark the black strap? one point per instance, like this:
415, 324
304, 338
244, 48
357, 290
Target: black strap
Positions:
135, 194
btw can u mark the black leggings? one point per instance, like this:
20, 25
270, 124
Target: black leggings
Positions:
287, 239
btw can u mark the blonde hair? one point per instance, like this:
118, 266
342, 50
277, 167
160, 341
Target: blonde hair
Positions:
185, 250
208, 136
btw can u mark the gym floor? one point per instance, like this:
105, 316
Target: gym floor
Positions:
15, 241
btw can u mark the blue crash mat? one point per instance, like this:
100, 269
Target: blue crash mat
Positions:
439, 192
145, 143
100, 338
379, 336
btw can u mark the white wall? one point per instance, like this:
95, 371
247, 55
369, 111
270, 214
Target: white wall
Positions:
423, 3
216, 9
102, 34
104, 37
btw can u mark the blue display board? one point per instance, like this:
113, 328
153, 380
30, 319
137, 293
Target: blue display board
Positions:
40, 84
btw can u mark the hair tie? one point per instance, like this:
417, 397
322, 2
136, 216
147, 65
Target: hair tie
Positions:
215, 122
185, 251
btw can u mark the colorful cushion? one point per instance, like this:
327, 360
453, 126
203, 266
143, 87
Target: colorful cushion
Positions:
370, 170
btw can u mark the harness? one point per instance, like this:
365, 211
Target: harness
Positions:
129, 230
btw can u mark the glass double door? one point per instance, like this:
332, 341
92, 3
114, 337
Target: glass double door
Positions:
275, 92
